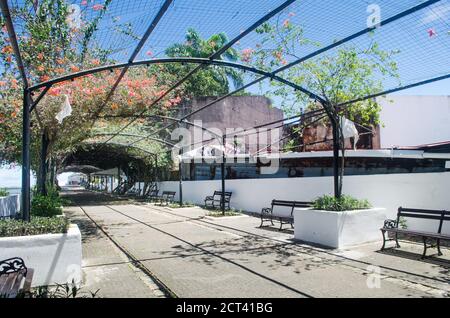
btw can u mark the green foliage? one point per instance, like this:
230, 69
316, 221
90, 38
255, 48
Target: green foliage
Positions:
211, 81
344, 203
49, 205
341, 75
36, 226
219, 214
3, 192
403, 223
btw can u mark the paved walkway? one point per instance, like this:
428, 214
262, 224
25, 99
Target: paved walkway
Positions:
195, 256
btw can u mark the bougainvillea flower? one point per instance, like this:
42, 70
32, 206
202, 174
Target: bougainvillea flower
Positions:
291, 14
286, 23
149, 53
431, 32
278, 55
98, 7
247, 54
7, 49
74, 68
44, 78
84, 2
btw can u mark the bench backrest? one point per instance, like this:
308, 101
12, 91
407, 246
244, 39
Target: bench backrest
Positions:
169, 193
289, 204
294, 204
438, 215
219, 193
154, 193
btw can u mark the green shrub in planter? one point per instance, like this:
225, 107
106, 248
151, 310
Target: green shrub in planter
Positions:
344, 203
46, 205
3, 192
36, 226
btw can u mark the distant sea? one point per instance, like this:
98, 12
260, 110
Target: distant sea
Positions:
14, 190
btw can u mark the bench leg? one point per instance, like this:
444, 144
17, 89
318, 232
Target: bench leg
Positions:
396, 240
384, 240
424, 255
281, 225
439, 247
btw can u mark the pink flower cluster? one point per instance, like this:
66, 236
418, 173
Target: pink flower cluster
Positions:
246, 55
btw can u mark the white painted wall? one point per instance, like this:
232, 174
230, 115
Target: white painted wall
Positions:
414, 120
428, 190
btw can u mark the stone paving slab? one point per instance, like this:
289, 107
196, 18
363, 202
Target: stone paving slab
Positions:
233, 257
104, 268
404, 263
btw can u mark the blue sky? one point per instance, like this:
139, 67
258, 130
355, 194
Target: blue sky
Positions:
421, 56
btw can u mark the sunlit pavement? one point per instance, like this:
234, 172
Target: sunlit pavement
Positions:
190, 255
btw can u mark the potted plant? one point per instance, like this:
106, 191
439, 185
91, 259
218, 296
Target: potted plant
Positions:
339, 222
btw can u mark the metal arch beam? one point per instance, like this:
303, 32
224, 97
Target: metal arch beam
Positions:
26, 127
192, 60
13, 41
314, 54
213, 56
428, 81
161, 141
136, 51
121, 145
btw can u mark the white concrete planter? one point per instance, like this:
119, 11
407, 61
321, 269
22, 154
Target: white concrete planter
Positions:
9, 206
55, 258
338, 229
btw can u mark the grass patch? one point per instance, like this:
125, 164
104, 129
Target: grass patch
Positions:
175, 205
219, 214
3, 192
36, 226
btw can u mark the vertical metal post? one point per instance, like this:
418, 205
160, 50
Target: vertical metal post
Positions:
336, 161
118, 179
26, 164
181, 183
222, 169
43, 165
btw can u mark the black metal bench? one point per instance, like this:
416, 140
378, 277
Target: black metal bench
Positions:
153, 195
269, 215
15, 278
210, 201
392, 226
166, 197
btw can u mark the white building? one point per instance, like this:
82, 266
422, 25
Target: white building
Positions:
414, 120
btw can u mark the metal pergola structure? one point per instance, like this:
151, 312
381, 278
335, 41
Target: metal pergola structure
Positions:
30, 104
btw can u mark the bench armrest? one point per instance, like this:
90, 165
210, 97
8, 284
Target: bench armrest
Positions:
390, 224
209, 198
266, 211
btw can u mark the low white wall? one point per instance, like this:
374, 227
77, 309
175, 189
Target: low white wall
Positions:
427, 190
9, 206
55, 258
